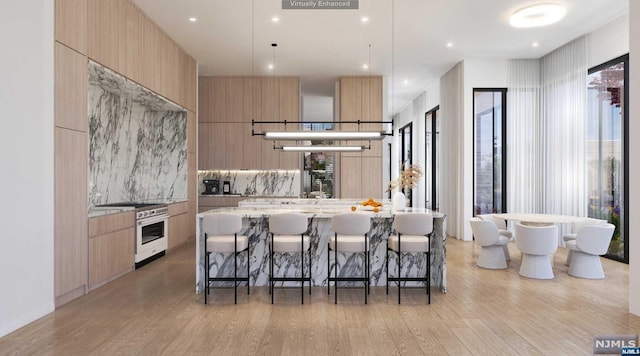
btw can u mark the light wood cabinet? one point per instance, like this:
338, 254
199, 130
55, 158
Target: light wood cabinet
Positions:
234, 146
110, 256
148, 53
70, 89
192, 126
71, 24
179, 229
103, 25
204, 102
70, 216
129, 42
218, 99
111, 247
361, 173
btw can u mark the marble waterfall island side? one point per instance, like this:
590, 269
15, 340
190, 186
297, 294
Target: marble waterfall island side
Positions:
255, 226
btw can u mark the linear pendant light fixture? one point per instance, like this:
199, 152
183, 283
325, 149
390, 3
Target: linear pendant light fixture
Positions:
322, 135
321, 148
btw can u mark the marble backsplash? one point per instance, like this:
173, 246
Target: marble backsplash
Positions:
256, 182
137, 142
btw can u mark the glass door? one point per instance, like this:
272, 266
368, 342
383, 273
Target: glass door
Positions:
432, 133
607, 149
406, 144
489, 150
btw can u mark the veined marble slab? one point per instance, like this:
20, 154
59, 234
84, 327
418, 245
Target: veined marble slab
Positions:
137, 142
256, 182
261, 202
255, 226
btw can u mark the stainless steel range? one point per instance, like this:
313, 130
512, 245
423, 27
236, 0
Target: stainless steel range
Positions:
151, 230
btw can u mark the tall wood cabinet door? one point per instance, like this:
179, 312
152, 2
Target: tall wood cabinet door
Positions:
130, 33
252, 153
270, 99
218, 98
192, 208
270, 157
372, 111
70, 213
351, 178
235, 100
372, 177
204, 145
70, 89
192, 126
204, 102
191, 90
289, 110
350, 98
71, 24
234, 145
103, 27
211, 144
148, 53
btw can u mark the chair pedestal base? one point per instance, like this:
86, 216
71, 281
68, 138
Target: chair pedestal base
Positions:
584, 265
536, 266
492, 257
569, 255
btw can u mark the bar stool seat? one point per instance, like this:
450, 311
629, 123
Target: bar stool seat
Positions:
287, 232
221, 236
290, 243
413, 236
350, 236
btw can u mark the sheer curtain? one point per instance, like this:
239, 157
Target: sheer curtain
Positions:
547, 131
451, 151
524, 137
564, 103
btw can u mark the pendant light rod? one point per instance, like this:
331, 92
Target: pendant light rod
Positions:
321, 148
322, 135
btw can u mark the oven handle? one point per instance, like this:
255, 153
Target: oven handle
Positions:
153, 220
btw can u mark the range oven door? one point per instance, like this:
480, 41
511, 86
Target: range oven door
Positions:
151, 237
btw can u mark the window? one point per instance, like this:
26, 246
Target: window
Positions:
405, 151
432, 134
489, 150
607, 149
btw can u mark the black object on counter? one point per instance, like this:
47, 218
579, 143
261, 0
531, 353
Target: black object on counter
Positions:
211, 186
226, 187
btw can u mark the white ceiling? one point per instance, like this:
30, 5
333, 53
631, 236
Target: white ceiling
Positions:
321, 45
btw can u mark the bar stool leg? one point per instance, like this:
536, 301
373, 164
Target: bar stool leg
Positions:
205, 289
328, 268
235, 270
302, 268
335, 273
310, 269
387, 267
248, 271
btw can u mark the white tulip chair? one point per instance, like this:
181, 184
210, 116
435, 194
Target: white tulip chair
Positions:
591, 242
488, 237
501, 224
575, 228
537, 244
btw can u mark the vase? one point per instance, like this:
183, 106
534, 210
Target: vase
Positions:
398, 201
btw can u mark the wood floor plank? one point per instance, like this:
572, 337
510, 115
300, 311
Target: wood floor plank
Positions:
155, 311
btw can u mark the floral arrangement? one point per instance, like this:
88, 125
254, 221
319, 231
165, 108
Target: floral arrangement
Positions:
407, 179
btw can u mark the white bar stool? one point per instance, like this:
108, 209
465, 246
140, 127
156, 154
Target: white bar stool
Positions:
221, 235
413, 236
350, 236
288, 236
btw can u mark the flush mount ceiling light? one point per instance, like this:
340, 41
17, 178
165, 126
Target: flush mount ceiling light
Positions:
322, 135
321, 148
192, 19
537, 15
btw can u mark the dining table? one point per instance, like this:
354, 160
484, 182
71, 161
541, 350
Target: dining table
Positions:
538, 219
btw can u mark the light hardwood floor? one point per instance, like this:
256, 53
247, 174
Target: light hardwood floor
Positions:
154, 310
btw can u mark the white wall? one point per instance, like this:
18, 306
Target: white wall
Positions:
608, 42
26, 156
477, 74
634, 169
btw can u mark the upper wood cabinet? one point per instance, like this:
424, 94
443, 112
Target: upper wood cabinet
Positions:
103, 32
361, 173
70, 78
71, 24
229, 104
129, 41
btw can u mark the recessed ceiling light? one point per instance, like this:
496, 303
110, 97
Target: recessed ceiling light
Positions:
365, 66
405, 82
535, 44
449, 44
192, 19
270, 66
537, 15
364, 19
275, 19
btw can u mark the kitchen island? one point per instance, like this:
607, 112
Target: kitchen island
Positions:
255, 215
